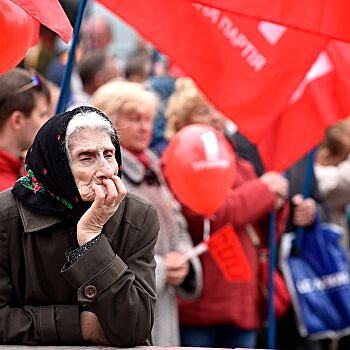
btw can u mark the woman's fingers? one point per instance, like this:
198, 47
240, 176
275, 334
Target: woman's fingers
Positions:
120, 186
116, 191
100, 194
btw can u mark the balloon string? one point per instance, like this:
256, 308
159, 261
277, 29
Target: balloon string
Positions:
206, 229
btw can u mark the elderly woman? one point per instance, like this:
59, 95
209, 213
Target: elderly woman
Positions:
133, 109
76, 253
227, 314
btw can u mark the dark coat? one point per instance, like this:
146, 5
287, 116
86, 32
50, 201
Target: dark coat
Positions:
40, 294
296, 176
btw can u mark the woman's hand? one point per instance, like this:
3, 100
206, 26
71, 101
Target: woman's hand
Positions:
91, 329
177, 270
278, 185
304, 210
108, 196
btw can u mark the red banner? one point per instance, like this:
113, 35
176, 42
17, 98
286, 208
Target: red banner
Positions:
321, 99
50, 13
228, 253
248, 69
323, 17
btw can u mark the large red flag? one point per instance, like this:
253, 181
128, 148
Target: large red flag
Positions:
50, 13
248, 69
321, 99
323, 17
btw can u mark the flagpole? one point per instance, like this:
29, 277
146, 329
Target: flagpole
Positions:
271, 333
65, 85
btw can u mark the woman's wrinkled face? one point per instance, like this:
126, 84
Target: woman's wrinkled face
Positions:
92, 159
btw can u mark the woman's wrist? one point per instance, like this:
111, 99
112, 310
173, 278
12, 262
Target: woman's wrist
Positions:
86, 234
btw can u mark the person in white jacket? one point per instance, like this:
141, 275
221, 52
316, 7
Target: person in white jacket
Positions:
332, 171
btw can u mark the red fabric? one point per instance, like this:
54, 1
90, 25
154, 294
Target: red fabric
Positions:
222, 302
50, 13
324, 17
282, 300
10, 170
226, 249
321, 99
247, 68
19, 31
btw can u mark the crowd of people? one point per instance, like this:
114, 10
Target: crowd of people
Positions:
92, 238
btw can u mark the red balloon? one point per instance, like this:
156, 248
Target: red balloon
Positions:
199, 164
18, 29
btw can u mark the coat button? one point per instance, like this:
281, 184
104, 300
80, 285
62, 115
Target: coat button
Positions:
90, 292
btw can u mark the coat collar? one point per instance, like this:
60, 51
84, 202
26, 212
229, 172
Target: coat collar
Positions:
33, 222
133, 168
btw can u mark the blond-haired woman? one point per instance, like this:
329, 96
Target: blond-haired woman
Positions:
227, 314
132, 109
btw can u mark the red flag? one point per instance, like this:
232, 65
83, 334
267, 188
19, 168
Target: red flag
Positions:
50, 13
321, 99
324, 17
248, 69
227, 251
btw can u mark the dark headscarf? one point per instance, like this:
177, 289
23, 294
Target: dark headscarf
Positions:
49, 186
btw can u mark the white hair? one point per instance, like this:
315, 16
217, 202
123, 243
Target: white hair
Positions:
88, 120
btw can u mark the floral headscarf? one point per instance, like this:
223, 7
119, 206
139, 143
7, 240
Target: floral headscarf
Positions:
49, 186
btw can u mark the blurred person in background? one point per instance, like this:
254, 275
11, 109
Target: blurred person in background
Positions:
24, 108
138, 68
41, 55
332, 171
95, 69
132, 109
227, 314
96, 33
